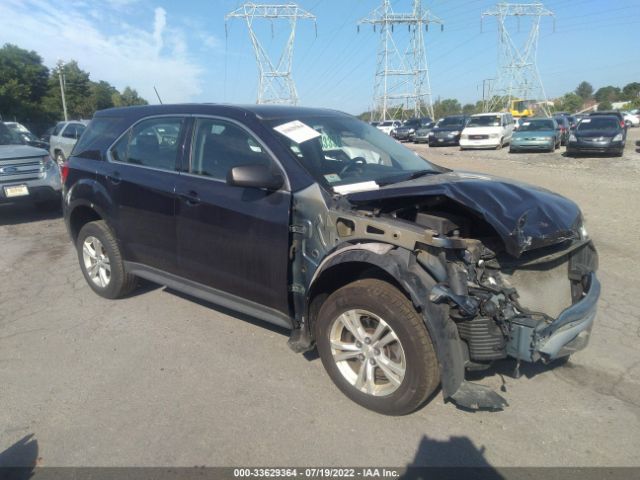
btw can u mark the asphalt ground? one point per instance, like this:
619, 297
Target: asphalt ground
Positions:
158, 379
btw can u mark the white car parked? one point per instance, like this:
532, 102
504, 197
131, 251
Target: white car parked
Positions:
64, 137
487, 130
630, 119
388, 126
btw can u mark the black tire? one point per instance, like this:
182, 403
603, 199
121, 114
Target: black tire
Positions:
382, 299
500, 145
120, 283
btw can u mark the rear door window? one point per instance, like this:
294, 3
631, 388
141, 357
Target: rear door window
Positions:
151, 143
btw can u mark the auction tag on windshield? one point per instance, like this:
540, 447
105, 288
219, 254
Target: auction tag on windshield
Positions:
585, 120
297, 131
524, 124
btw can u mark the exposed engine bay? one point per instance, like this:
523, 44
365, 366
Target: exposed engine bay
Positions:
510, 280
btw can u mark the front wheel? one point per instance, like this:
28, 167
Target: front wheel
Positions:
376, 348
101, 261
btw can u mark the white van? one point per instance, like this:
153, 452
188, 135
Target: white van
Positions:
487, 130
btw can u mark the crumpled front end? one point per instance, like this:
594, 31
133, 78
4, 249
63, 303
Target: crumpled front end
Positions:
541, 307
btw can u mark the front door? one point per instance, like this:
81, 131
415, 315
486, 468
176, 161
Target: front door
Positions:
232, 239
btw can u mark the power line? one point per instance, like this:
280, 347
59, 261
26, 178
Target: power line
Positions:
275, 83
518, 76
402, 79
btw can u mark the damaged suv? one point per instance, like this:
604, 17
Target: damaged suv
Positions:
402, 273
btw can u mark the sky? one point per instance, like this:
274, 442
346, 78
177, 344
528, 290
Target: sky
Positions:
184, 49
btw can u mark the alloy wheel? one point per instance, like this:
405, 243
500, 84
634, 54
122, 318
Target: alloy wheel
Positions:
96, 261
367, 352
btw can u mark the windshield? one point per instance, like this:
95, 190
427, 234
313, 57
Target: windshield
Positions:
484, 121
450, 122
7, 137
536, 125
598, 123
341, 150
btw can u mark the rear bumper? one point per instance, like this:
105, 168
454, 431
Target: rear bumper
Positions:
36, 194
47, 187
531, 341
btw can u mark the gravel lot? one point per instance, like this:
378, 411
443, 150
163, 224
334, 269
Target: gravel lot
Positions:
159, 379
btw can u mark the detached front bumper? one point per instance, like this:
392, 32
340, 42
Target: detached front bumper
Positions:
535, 340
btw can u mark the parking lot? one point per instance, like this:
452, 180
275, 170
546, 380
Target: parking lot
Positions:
160, 379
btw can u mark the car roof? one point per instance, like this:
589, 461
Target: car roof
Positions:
263, 112
493, 114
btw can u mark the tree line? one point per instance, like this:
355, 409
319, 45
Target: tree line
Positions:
583, 96
30, 92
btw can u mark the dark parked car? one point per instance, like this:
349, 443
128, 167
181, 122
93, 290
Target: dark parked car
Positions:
609, 113
598, 134
25, 135
407, 130
564, 125
447, 131
404, 274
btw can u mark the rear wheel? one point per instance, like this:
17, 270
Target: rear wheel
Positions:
101, 261
376, 348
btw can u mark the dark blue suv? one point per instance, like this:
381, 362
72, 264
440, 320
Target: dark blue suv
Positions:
404, 274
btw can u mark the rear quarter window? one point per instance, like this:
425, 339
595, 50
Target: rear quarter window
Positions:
98, 136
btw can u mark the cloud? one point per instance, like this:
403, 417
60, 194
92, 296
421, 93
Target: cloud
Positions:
108, 48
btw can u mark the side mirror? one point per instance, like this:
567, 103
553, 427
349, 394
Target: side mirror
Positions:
256, 176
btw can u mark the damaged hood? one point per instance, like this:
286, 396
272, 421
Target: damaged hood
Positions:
524, 216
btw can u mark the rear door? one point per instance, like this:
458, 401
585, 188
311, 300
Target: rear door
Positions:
141, 178
233, 239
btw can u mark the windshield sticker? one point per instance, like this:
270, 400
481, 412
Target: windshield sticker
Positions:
356, 187
585, 120
524, 124
297, 131
332, 177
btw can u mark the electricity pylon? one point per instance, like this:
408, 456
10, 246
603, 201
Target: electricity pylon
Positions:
275, 83
402, 79
518, 77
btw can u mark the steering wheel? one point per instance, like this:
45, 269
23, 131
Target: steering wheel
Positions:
360, 162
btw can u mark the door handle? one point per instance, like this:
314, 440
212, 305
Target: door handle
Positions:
191, 198
114, 178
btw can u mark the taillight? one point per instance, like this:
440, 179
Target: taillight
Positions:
622, 124
64, 171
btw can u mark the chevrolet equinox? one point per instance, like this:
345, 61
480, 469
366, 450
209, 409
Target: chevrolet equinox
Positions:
402, 273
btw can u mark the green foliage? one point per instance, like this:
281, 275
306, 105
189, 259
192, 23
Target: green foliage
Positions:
608, 94
605, 105
631, 91
30, 93
448, 106
584, 90
470, 109
23, 84
570, 102
128, 98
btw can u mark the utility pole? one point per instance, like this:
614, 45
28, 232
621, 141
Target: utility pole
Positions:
484, 102
275, 83
518, 77
401, 79
62, 83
